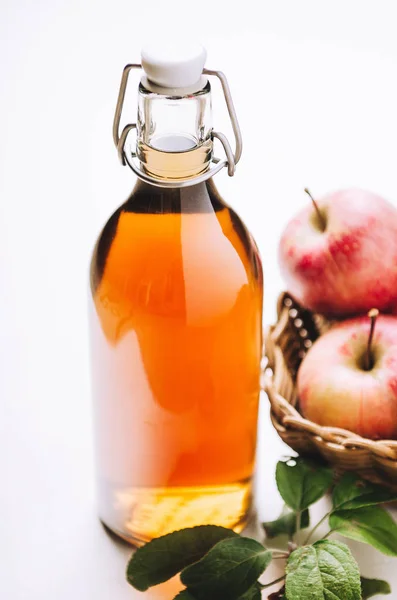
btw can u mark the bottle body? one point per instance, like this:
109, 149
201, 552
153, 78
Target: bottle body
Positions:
176, 336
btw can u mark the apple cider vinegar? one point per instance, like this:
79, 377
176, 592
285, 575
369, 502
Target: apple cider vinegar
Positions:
176, 321
175, 164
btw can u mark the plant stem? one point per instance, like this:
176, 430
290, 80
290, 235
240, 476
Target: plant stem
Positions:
298, 524
321, 521
320, 216
373, 315
329, 533
279, 553
263, 586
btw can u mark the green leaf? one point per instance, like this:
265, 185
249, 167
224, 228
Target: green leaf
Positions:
351, 492
164, 557
184, 595
324, 571
286, 524
372, 525
228, 570
254, 593
302, 482
372, 587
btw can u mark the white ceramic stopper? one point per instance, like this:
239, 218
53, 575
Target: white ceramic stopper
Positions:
173, 64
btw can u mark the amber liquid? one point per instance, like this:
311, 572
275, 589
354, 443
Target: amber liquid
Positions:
175, 165
176, 341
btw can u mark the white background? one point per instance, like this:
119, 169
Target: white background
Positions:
315, 86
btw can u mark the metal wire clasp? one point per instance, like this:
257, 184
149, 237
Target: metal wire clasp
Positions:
130, 158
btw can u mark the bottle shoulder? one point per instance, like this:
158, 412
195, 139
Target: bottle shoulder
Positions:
149, 199
166, 227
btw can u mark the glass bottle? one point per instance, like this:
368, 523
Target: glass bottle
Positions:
176, 322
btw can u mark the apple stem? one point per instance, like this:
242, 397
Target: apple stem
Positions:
373, 315
320, 216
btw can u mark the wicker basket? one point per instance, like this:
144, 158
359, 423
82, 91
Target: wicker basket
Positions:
286, 344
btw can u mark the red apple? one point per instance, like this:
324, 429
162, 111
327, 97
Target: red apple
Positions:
348, 378
339, 254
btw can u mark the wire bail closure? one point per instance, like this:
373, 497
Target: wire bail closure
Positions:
129, 158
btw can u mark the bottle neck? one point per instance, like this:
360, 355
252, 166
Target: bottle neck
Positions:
174, 133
